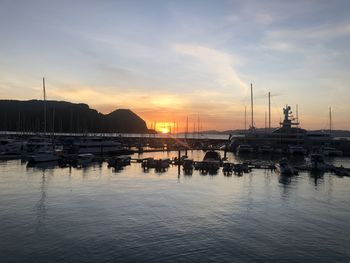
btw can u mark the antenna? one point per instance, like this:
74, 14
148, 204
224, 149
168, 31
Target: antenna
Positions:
265, 122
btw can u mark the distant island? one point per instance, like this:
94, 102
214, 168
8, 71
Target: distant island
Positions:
67, 117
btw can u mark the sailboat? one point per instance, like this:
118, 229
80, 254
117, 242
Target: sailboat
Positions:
45, 151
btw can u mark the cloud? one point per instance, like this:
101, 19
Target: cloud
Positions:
215, 62
304, 39
108, 98
323, 32
264, 19
280, 45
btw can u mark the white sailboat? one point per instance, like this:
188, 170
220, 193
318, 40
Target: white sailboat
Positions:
39, 148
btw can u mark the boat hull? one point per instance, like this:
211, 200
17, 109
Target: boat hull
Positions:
39, 158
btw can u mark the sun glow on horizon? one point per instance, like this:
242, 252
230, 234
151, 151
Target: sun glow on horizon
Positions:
164, 127
165, 130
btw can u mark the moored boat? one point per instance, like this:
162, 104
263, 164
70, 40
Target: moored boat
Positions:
188, 165
83, 159
11, 148
97, 145
43, 156
290, 134
265, 149
245, 148
211, 162
331, 151
285, 169
121, 160
317, 162
297, 150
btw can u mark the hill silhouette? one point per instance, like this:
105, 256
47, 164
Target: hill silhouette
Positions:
62, 116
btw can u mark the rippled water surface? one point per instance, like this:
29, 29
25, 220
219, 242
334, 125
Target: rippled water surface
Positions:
97, 214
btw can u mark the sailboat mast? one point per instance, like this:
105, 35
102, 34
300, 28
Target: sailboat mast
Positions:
245, 117
252, 105
44, 106
330, 120
194, 128
297, 110
198, 126
269, 111
53, 122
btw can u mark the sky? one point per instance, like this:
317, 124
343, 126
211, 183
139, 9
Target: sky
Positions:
169, 60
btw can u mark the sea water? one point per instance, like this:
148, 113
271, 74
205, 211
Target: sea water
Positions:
99, 214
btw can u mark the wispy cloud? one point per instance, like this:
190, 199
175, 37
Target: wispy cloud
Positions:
322, 32
304, 39
218, 63
264, 19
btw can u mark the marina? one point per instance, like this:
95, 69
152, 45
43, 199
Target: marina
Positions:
174, 131
79, 152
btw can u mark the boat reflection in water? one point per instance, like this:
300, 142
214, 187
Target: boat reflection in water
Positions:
317, 176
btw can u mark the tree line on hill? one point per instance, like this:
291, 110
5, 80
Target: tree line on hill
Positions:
62, 116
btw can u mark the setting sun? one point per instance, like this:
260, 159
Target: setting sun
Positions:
165, 130
164, 127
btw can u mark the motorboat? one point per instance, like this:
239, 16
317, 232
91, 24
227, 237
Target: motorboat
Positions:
245, 148
227, 168
331, 151
162, 164
121, 160
211, 161
38, 144
158, 164
297, 150
317, 162
284, 168
97, 145
188, 165
265, 149
48, 155
11, 147
83, 159
212, 156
